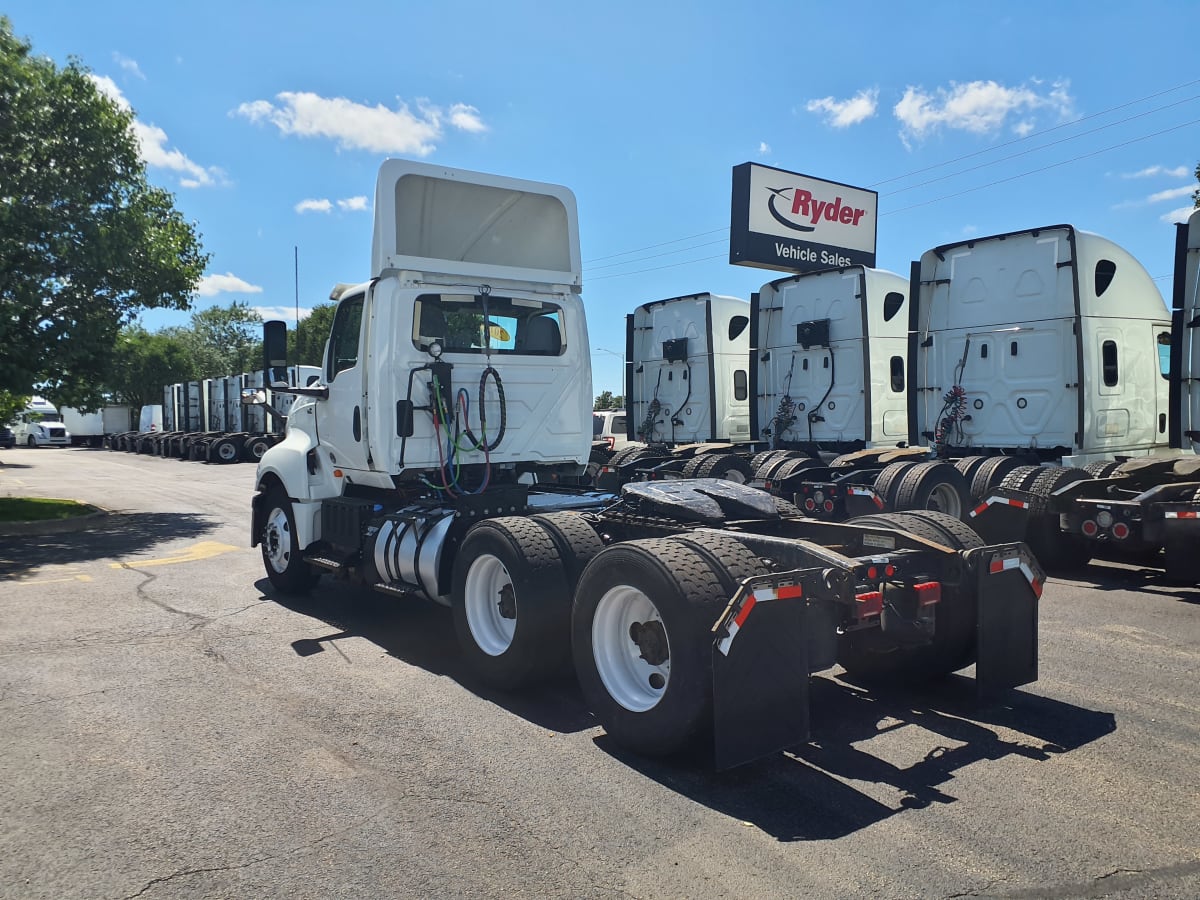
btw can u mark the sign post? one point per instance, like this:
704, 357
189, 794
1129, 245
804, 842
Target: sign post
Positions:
796, 223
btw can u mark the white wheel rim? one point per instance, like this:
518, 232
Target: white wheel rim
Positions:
629, 679
944, 498
277, 540
735, 475
226, 451
486, 580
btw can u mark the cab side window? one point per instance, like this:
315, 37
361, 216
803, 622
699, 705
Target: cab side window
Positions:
343, 338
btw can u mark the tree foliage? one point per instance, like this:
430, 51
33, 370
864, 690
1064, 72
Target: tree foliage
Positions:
225, 340
10, 405
145, 363
306, 343
85, 240
606, 400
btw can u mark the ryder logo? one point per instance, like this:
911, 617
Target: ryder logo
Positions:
804, 211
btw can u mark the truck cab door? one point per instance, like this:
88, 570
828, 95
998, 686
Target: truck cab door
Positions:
1162, 390
341, 417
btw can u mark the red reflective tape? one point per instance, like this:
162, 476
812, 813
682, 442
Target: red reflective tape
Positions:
980, 508
789, 592
928, 592
869, 604
1018, 503
878, 501
1181, 515
1037, 588
740, 618
996, 566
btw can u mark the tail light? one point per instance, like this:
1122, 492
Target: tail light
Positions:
1089, 528
1120, 531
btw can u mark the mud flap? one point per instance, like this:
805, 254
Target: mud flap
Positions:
1009, 587
761, 666
1002, 516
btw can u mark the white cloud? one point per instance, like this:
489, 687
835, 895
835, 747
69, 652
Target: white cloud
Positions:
152, 142
763, 148
1153, 171
287, 313
355, 126
211, 285
321, 205
844, 113
1176, 216
129, 65
980, 107
353, 204
1024, 128
970, 230
1172, 194
466, 118
109, 89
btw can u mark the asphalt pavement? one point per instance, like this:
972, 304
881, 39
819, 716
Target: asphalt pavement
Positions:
169, 728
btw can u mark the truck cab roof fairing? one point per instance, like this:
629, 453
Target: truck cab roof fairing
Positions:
435, 219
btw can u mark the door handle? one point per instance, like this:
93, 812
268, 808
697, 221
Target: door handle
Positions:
357, 425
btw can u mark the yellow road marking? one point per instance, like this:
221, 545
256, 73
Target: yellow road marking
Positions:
195, 553
52, 580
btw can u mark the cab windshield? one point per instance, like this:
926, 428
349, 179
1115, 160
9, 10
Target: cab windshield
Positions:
472, 323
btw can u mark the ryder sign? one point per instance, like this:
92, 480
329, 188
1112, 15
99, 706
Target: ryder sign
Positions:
794, 223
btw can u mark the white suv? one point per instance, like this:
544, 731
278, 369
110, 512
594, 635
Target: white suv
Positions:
608, 425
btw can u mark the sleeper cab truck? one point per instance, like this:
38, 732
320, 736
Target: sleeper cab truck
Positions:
1144, 507
456, 381
40, 425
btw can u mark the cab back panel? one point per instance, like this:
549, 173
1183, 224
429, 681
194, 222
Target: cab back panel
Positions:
847, 379
1190, 338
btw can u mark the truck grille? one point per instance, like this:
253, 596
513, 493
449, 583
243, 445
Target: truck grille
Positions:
57, 432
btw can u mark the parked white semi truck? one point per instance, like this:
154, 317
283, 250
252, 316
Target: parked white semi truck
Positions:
456, 384
40, 425
91, 428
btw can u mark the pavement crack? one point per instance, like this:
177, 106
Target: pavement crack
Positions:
194, 620
183, 873
1119, 879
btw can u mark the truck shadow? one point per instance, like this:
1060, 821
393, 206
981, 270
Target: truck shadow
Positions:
421, 634
803, 795
806, 793
1127, 576
109, 537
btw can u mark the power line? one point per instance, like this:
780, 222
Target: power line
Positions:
972, 155
1144, 137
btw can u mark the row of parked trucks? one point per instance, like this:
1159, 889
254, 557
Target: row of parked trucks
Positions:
1038, 371
206, 420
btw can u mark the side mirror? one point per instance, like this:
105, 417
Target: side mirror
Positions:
275, 351
254, 397
404, 418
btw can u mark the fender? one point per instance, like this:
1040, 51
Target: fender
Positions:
287, 463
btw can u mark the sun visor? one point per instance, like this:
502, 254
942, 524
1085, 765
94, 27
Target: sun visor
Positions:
450, 221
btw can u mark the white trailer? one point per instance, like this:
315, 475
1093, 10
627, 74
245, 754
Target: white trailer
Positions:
1042, 343
687, 380
828, 361
91, 428
457, 383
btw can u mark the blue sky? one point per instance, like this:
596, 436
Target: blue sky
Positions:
268, 122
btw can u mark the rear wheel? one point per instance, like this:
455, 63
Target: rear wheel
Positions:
990, 474
254, 447
281, 552
969, 465
727, 466
1055, 549
510, 602
575, 539
1101, 469
641, 636
933, 485
888, 480
224, 451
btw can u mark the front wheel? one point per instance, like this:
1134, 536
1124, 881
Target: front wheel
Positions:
282, 555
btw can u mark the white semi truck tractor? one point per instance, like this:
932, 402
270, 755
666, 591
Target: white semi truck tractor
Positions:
456, 391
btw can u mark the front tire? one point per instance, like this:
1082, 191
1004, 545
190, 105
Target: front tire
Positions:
282, 556
511, 602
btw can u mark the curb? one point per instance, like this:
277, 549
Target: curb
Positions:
54, 526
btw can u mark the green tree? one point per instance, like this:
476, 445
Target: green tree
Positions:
306, 343
604, 400
146, 362
225, 340
10, 405
85, 241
